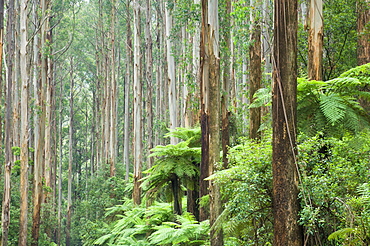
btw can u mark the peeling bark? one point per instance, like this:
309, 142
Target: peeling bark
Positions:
284, 110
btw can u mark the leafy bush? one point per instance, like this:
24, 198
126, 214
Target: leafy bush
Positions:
246, 188
332, 170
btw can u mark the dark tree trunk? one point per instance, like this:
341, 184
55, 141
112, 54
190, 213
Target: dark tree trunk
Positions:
285, 176
192, 201
225, 114
255, 81
175, 186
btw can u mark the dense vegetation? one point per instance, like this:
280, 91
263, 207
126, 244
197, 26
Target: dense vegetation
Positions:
87, 199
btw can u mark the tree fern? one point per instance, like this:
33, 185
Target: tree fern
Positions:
333, 107
185, 231
262, 97
174, 166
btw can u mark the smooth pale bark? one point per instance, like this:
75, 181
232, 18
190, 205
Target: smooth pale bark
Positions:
315, 40
40, 123
137, 141
210, 109
48, 116
23, 219
128, 76
255, 72
113, 97
363, 43
70, 157
5, 216
284, 111
60, 165
171, 74
16, 83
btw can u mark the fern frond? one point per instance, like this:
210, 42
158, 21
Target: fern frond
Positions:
103, 239
342, 233
333, 107
360, 72
344, 85
262, 97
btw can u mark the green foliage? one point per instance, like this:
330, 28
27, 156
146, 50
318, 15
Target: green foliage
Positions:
332, 107
331, 171
174, 161
155, 225
262, 97
246, 189
185, 231
358, 213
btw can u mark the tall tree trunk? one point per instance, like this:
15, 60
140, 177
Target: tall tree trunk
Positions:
70, 161
1, 59
363, 45
16, 82
149, 78
5, 218
138, 152
113, 98
285, 176
210, 112
126, 141
40, 123
315, 40
49, 107
24, 126
255, 71
171, 74
226, 87
60, 165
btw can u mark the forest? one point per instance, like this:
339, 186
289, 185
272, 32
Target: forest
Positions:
185, 122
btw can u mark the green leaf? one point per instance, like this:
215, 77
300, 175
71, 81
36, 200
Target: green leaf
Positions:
342, 233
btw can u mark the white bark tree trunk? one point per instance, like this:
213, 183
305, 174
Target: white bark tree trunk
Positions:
171, 75
24, 126
5, 216
315, 40
138, 152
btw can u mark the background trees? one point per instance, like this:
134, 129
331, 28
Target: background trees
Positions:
92, 86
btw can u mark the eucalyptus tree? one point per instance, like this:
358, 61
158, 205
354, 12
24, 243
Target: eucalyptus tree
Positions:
40, 91
171, 69
5, 216
255, 73
148, 76
226, 81
24, 125
128, 78
1, 55
70, 157
284, 113
210, 111
315, 40
137, 141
